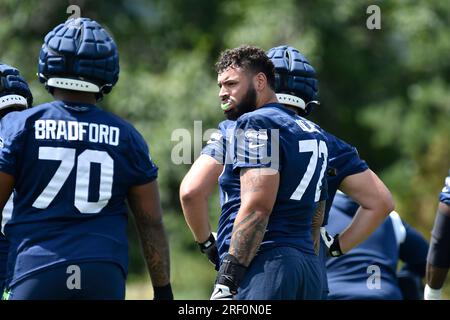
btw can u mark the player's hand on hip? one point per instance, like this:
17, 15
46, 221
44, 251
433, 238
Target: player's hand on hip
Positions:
332, 243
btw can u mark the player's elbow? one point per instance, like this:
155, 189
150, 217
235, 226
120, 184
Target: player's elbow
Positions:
385, 203
189, 194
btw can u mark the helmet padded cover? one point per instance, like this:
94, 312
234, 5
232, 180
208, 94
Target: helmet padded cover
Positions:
293, 73
82, 49
11, 82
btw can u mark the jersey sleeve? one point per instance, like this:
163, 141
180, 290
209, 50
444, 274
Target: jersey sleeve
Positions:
143, 168
345, 159
215, 147
256, 143
444, 197
11, 142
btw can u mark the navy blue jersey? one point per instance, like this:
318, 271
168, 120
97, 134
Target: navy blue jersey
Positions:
73, 165
368, 271
444, 197
274, 137
344, 161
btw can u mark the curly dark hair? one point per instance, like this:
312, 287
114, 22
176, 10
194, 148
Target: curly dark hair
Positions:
249, 58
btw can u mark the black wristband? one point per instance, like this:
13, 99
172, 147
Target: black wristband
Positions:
207, 244
335, 248
231, 273
163, 293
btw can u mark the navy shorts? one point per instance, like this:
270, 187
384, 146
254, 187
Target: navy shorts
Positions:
81, 281
282, 273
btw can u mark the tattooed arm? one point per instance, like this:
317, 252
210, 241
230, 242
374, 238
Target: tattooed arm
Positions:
145, 205
259, 187
316, 224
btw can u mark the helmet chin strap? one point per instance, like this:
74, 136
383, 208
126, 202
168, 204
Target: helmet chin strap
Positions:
291, 100
73, 84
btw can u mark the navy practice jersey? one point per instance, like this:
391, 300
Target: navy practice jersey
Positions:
368, 271
444, 197
343, 161
73, 166
274, 137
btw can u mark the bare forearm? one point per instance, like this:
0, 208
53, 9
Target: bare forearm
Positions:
375, 201
438, 259
436, 276
247, 235
196, 216
259, 188
362, 226
156, 251
195, 190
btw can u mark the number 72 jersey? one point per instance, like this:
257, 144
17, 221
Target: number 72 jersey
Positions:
73, 166
275, 137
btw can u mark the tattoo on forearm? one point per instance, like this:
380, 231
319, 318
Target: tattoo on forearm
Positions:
247, 236
156, 250
253, 184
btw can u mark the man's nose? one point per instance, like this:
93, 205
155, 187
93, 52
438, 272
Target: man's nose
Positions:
223, 93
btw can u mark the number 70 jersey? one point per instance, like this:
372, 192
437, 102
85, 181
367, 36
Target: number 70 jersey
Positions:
73, 166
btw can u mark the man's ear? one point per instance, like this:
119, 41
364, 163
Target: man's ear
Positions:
260, 81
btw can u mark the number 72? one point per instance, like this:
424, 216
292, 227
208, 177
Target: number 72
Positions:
318, 149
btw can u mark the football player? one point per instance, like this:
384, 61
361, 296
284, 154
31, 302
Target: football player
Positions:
270, 189
73, 166
296, 86
15, 95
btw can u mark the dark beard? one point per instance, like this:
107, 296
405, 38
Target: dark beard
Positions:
248, 104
